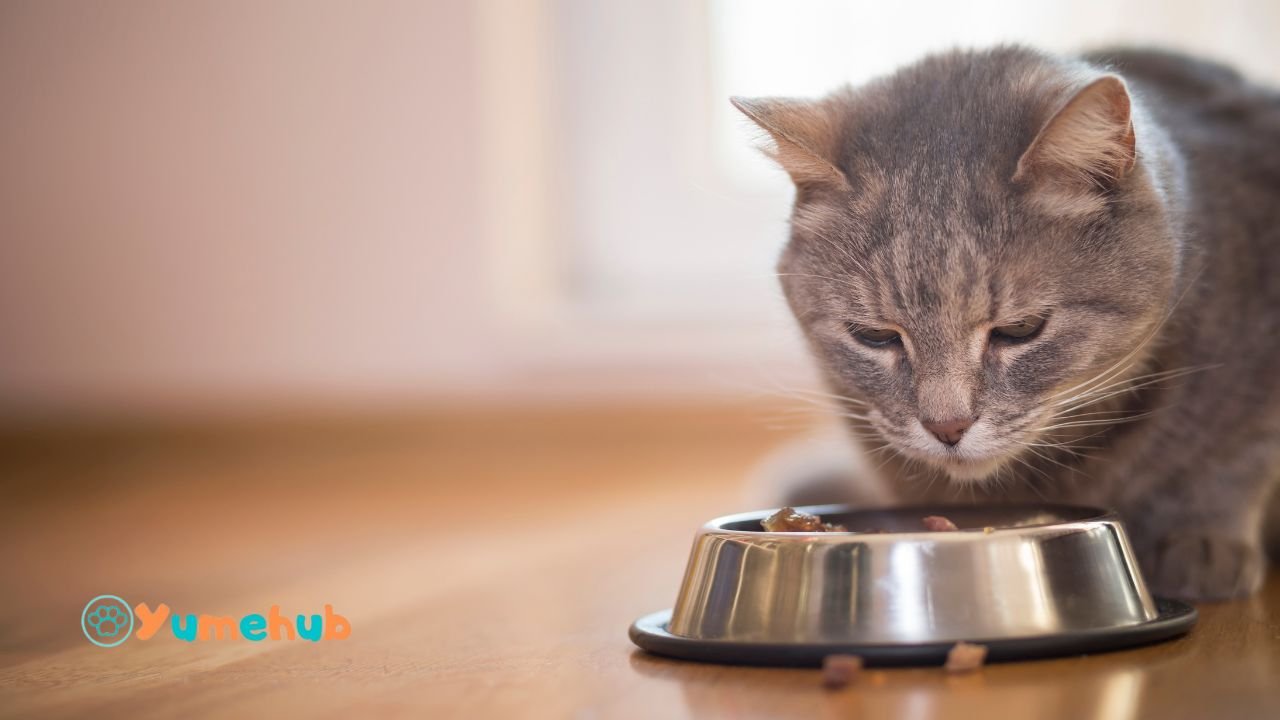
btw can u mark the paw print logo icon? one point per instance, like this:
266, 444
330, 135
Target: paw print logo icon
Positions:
107, 621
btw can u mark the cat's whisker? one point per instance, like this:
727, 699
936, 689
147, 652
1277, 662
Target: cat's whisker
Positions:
1090, 399
1068, 421
867, 438
816, 396
1136, 382
821, 277
933, 478
1131, 357
1028, 481
810, 407
1106, 396
999, 481
795, 416
1095, 423
1066, 447
844, 252
822, 394
1064, 414
1105, 415
1049, 458
881, 448
1106, 375
1072, 412
1080, 455
911, 466
1153, 375
773, 387
888, 457
1076, 440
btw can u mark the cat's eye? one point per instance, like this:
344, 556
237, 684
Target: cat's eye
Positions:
1021, 331
874, 337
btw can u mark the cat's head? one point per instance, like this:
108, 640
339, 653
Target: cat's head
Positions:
974, 239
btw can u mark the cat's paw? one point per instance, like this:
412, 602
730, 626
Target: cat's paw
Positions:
1205, 567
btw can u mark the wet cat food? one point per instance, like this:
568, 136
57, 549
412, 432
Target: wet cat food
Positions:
789, 519
937, 523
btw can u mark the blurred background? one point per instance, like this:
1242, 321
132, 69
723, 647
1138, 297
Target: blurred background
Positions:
233, 206
389, 304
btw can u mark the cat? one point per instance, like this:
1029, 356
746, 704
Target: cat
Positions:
1028, 277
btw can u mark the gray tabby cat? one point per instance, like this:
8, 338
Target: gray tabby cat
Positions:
1029, 277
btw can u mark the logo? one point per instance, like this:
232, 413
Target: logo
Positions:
108, 621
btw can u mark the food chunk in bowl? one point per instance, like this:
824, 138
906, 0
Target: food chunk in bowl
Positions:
788, 519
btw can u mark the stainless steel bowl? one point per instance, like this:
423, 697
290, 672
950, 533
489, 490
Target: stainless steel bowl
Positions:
1029, 577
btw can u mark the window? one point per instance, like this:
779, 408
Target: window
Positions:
664, 221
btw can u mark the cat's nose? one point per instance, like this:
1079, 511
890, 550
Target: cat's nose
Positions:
948, 432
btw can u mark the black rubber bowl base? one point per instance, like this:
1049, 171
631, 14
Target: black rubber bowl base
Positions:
650, 633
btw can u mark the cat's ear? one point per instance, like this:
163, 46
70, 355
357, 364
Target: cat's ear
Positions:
1088, 144
805, 135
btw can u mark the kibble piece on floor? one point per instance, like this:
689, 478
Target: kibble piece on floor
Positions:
966, 657
840, 670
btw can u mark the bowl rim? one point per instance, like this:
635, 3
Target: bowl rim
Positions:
1087, 516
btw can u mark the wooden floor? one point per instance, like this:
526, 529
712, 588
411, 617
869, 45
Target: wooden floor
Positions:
489, 563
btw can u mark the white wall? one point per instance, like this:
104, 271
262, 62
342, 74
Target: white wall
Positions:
223, 202
216, 204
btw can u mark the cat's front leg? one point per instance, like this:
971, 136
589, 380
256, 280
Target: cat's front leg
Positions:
1196, 553
1200, 565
